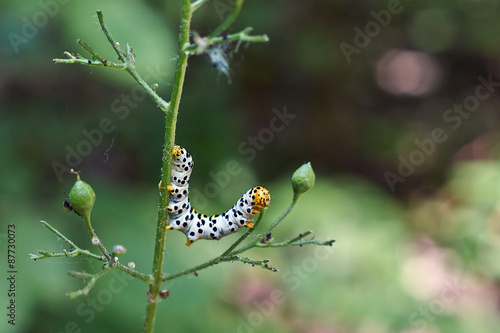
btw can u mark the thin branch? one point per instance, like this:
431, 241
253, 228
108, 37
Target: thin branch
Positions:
217, 260
114, 44
171, 110
230, 254
242, 36
79, 251
76, 252
245, 235
229, 20
146, 278
197, 4
78, 59
284, 214
126, 57
261, 263
83, 275
92, 280
95, 238
292, 242
90, 50
58, 234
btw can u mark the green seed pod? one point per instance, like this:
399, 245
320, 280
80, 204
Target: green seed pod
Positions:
81, 197
303, 179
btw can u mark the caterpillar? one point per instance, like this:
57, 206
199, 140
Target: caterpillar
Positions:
200, 226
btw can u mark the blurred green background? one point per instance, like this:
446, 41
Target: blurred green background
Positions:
415, 214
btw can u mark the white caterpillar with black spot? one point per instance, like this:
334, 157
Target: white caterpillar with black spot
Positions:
199, 226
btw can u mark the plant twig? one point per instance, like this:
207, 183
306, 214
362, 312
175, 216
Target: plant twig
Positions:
74, 253
284, 214
231, 254
171, 111
91, 51
127, 59
95, 238
261, 263
229, 20
297, 241
146, 278
215, 261
114, 44
245, 235
197, 4
78, 59
242, 36
92, 280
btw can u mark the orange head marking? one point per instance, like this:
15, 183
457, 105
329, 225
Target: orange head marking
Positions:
261, 199
177, 151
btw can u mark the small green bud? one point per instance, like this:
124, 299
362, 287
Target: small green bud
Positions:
81, 197
303, 179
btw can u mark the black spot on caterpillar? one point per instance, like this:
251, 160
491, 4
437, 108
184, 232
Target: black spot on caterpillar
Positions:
200, 226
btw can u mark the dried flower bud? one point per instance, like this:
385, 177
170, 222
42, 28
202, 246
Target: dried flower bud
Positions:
119, 250
164, 293
95, 240
81, 197
303, 178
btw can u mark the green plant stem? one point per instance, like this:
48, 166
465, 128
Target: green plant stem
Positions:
297, 241
245, 235
284, 214
90, 284
55, 231
95, 238
90, 50
229, 20
261, 263
242, 36
73, 253
146, 278
76, 252
215, 261
129, 59
230, 254
275, 223
197, 4
72, 59
170, 125
115, 45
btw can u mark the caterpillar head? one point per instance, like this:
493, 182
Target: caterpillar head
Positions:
177, 151
260, 199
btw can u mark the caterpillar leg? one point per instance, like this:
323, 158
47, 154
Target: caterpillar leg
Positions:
170, 187
169, 227
250, 225
188, 243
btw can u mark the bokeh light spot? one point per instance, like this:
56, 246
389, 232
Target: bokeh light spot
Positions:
412, 73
